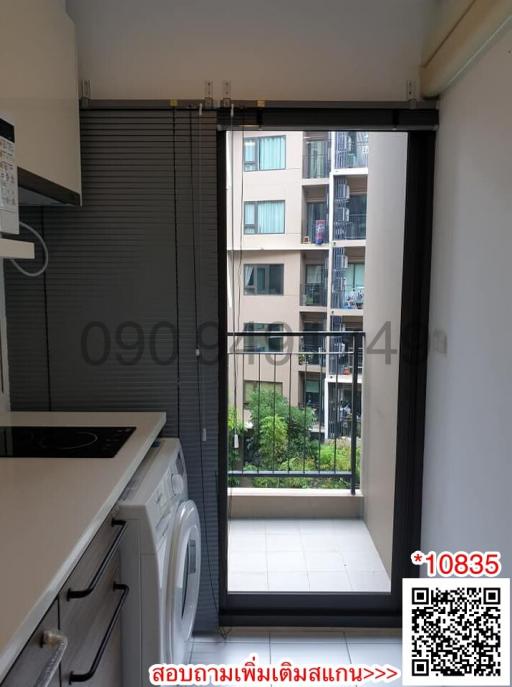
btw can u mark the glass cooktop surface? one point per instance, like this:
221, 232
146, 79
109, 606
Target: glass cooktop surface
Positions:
62, 442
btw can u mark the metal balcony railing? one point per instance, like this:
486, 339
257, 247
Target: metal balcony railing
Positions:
301, 422
314, 294
351, 149
347, 298
352, 229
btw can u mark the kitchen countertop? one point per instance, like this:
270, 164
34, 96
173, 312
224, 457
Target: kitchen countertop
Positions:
50, 509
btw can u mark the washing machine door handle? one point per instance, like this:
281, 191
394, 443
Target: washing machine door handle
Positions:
183, 575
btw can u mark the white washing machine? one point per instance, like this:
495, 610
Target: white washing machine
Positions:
161, 563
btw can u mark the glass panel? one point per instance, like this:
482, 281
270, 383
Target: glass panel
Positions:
272, 152
317, 216
249, 217
249, 278
271, 217
261, 280
313, 274
275, 280
250, 155
359, 275
316, 163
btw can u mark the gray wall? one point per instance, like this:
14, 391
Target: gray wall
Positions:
387, 166
149, 188
468, 465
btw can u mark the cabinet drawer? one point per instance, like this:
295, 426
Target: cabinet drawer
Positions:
85, 623
89, 603
36, 655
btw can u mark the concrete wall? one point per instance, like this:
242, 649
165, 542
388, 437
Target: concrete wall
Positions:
468, 466
291, 49
282, 184
383, 295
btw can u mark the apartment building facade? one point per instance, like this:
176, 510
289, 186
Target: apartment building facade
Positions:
296, 253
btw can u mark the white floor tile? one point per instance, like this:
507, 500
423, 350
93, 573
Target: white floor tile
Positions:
306, 636
233, 634
288, 581
230, 652
247, 581
284, 542
330, 653
320, 541
376, 636
324, 560
247, 541
379, 654
317, 526
368, 581
364, 560
329, 581
257, 547
247, 561
282, 561
246, 525
281, 526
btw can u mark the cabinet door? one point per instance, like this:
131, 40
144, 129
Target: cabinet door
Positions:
35, 656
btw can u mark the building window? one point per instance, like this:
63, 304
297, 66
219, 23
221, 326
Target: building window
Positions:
250, 387
316, 158
312, 394
264, 338
265, 153
264, 217
263, 280
354, 285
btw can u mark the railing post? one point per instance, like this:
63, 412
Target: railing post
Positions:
353, 429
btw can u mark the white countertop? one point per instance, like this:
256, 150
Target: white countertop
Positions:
50, 510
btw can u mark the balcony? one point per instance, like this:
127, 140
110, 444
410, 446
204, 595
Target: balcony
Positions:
351, 150
347, 298
300, 423
313, 295
352, 229
294, 461
316, 165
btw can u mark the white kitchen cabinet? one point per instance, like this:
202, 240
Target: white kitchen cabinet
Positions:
39, 88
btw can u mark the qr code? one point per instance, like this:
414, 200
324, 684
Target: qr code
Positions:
456, 631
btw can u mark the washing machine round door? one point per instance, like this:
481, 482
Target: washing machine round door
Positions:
184, 567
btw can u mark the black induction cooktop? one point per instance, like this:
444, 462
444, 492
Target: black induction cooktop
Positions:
62, 442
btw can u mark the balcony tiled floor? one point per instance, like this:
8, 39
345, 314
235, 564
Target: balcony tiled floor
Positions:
274, 555
301, 646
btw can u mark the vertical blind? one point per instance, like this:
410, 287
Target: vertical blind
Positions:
112, 324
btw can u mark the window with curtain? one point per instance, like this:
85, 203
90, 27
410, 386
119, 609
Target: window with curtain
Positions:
263, 280
314, 274
264, 217
265, 153
317, 161
312, 391
264, 338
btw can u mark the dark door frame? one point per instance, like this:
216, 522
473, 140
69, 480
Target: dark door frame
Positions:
353, 609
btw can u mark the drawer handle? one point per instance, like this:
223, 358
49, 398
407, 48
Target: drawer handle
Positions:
85, 677
59, 641
81, 593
